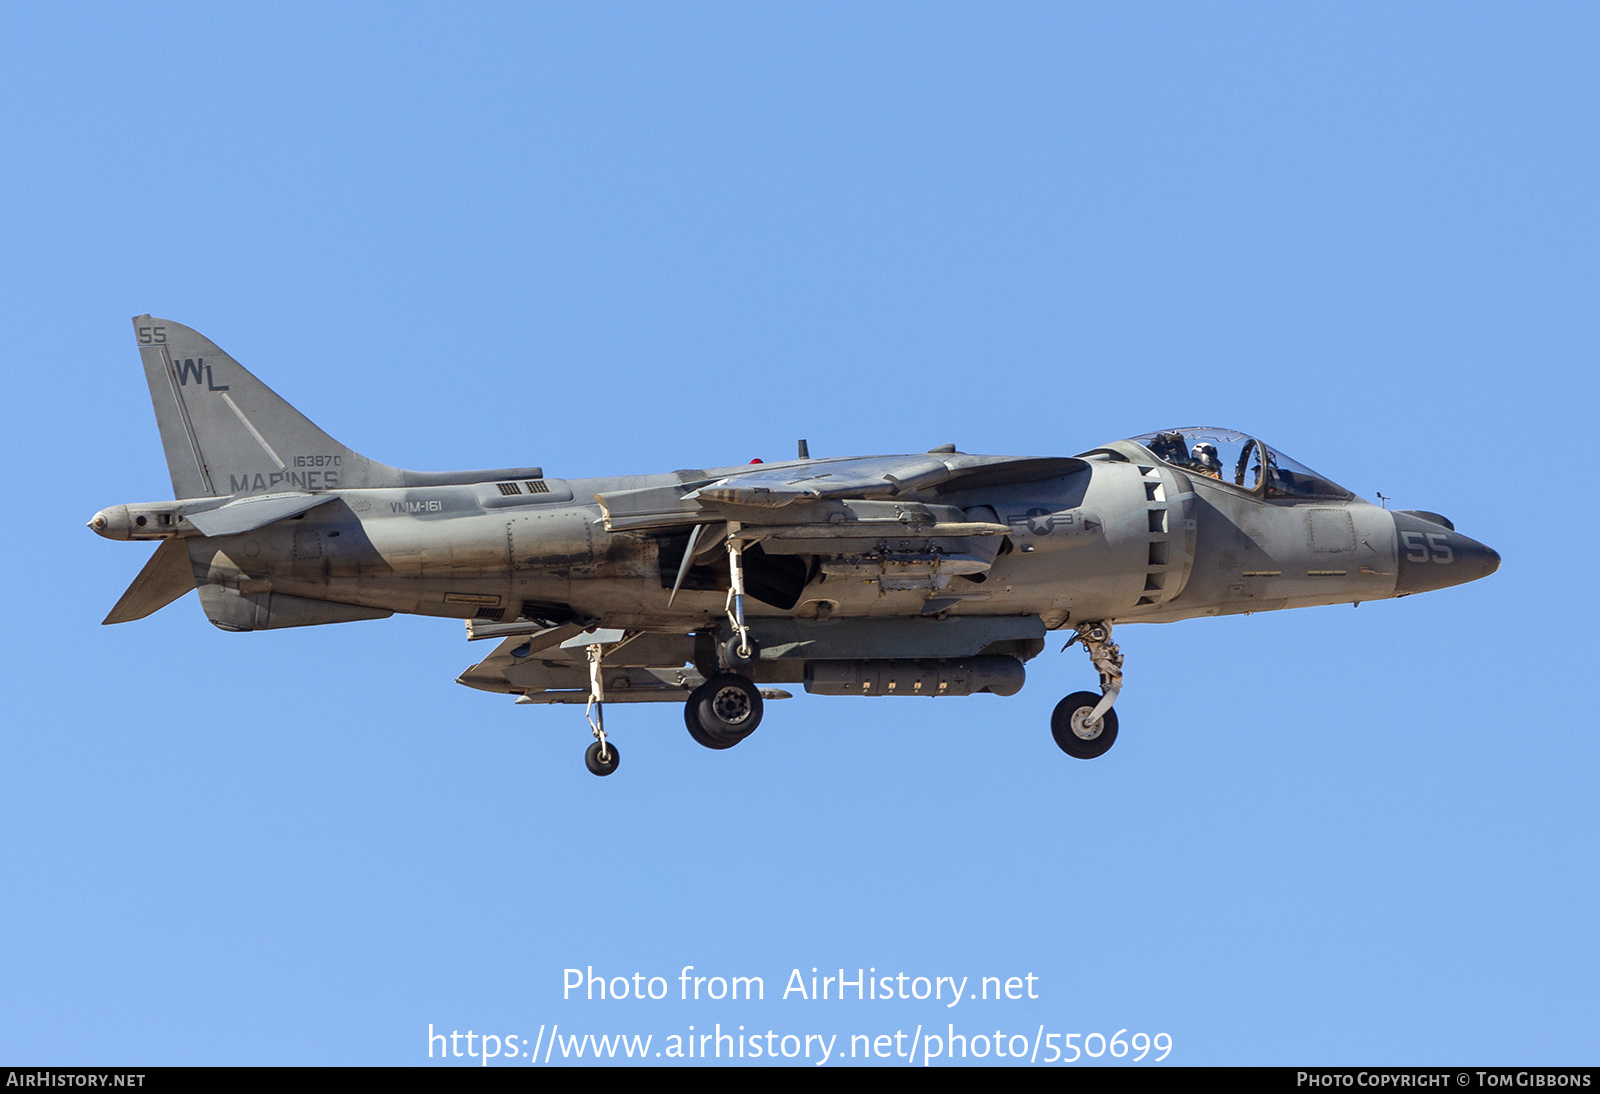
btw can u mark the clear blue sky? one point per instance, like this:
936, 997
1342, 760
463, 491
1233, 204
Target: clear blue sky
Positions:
628, 238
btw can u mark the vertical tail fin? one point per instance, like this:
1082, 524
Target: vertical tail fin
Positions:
225, 432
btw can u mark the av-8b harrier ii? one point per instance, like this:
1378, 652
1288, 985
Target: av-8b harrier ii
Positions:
933, 574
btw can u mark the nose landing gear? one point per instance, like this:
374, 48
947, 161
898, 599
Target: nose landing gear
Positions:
1083, 724
1079, 735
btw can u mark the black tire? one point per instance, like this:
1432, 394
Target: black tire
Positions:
597, 766
729, 708
734, 659
691, 718
1068, 740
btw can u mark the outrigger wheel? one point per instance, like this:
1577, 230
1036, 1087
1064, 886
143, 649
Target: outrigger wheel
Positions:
601, 758
1075, 734
723, 711
737, 655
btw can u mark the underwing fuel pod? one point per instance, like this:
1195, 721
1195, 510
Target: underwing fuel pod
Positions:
931, 574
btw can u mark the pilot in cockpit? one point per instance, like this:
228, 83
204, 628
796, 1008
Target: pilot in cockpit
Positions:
1205, 460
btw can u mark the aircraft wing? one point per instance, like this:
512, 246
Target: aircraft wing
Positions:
782, 486
491, 674
547, 668
879, 477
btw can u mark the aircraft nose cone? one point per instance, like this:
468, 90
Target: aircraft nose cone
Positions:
1435, 557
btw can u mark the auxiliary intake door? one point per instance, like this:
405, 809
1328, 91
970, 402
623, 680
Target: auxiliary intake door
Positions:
1170, 524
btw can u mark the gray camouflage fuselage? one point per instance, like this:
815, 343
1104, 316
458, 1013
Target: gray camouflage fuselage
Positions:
1116, 535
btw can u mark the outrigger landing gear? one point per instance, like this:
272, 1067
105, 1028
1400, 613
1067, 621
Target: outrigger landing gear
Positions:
727, 708
1083, 724
602, 757
740, 651
598, 763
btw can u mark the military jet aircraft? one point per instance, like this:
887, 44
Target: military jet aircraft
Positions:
932, 574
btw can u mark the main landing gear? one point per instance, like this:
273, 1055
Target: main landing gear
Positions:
1083, 724
727, 708
723, 711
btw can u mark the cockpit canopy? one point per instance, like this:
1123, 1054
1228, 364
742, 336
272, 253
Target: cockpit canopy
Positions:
1236, 458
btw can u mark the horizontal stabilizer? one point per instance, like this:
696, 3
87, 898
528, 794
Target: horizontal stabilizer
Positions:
246, 514
165, 578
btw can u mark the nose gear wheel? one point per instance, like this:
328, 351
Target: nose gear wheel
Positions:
1083, 724
1079, 735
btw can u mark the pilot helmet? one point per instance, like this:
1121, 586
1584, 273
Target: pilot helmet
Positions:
1206, 455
